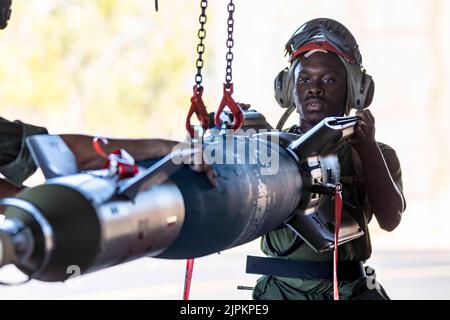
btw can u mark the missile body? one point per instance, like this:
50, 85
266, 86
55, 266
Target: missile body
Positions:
93, 220
80, 220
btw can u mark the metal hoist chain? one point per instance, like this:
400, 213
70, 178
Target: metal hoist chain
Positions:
230, 44
227, 100
201, 47
197, 105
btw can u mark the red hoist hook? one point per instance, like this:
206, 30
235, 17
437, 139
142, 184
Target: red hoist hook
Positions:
199, 108
227, 100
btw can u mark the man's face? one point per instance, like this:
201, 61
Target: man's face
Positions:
320, 88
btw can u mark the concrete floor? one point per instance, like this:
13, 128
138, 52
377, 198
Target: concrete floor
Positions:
404, 275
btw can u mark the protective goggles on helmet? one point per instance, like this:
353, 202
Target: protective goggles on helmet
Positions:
326, 34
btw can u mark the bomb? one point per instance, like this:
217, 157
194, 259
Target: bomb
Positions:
96, 219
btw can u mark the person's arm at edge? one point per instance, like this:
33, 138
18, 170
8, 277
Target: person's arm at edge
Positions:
8, 189
140, 149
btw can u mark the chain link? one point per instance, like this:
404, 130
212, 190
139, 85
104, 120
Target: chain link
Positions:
230, 44
201, 47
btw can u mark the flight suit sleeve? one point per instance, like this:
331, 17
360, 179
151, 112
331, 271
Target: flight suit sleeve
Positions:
393, 164
16, 163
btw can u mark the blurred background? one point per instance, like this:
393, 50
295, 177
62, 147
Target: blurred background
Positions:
120, 69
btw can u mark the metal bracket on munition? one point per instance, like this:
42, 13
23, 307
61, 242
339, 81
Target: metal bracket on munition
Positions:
313, 220
325, 137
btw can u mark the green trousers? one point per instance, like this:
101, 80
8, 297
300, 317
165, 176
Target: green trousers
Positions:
279, 288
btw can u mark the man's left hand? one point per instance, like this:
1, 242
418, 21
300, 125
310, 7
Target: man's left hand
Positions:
364, 135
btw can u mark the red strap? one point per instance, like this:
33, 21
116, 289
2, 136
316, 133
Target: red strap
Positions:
188, 278
98, 148
125, 168
337, 225
199, 108
236, 110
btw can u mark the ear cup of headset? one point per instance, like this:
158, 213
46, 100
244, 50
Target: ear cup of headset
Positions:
370, 91
283, 87
364, 95
280, 88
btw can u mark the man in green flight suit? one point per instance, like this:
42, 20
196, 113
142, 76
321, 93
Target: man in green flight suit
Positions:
325, 78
